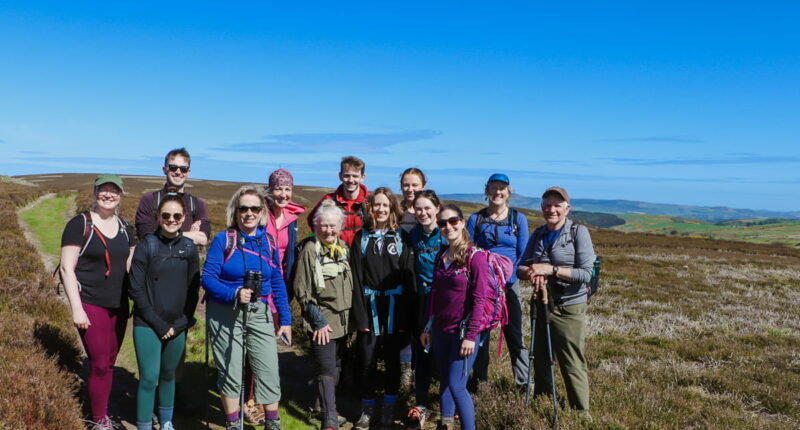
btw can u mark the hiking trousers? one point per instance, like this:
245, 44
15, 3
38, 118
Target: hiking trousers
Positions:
370, 349
568, 332
512, 337
158, 360
102, 341
328, 367
453, 375
225, 329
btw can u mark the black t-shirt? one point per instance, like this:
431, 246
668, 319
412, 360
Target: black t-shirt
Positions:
96, 288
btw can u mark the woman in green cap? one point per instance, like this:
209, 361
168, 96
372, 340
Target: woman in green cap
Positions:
96, 247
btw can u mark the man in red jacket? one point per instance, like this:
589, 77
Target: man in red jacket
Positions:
350, 196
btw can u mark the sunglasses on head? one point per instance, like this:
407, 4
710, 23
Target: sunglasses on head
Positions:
175, 168
453, 221
254, 209
176, 216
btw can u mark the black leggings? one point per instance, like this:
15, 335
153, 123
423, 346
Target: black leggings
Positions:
371, 348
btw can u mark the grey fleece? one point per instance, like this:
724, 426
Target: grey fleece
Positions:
576, 253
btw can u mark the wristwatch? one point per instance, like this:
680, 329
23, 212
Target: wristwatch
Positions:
555, 271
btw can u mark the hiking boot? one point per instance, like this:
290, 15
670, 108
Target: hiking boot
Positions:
364, 419
417, 417
272, 424
104, 424
233, 425
446, 425
254, 414
330, 425
387, 416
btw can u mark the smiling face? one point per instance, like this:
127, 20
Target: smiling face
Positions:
380, 210
554, 211
329, 228
425, 212
249, 212
107, 196
411, 182
451, 225
171, 217
177, 170
498, 193
281, 195
351, 179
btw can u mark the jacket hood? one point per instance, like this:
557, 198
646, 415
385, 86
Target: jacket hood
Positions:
260, 234
362, 194
294, 208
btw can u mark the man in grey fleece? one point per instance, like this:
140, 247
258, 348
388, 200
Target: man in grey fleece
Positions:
560, 255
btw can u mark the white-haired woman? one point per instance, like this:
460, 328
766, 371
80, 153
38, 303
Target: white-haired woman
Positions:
323, 286
235, 255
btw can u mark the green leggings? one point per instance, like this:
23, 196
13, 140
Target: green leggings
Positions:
157, 360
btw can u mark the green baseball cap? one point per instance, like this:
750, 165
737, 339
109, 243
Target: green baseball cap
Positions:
108, 178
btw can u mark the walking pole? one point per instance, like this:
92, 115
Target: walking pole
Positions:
206, 368
245, 308
546, 311
530, 350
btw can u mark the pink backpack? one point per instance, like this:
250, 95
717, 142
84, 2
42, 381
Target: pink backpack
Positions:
495, 312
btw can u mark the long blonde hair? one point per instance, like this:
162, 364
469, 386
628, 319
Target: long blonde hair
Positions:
459, 249
233, 205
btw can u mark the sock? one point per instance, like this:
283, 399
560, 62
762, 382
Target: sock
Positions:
448, 420
164, 414
232, 417
367, 402
389, 399
144, 426
405, 354
272, 415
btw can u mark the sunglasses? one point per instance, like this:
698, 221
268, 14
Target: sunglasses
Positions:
453, 221
253, 209
174, 168
176, 216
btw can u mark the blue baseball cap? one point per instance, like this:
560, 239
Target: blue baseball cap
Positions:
501, 177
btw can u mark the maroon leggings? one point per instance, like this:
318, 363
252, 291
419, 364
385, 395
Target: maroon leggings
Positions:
102, 341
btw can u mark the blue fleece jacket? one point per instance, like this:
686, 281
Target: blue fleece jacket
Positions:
500, 238
426, 246
222, 279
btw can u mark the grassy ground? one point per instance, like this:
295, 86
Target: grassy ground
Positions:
787, 233
685, 333
47, 220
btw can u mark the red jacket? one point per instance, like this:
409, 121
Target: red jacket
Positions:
354, 211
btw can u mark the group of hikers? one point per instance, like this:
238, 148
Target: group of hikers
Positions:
419, 284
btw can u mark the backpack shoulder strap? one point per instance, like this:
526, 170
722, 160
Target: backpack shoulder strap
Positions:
512, 220
398, 243
480, 218
364, 242
231, 236
88, 230
193, 207
157, 198
123, 226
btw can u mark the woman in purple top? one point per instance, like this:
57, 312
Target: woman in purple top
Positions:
460, 287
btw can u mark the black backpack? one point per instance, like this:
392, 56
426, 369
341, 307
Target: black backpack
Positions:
157, 195
483, 214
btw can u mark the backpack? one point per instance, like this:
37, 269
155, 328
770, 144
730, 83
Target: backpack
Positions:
192, 205
233, 241
495, 311
594, 282
398, 242
151, 241
89, 231
483, 214
414, 235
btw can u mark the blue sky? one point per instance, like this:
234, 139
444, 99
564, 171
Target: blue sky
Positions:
675, 102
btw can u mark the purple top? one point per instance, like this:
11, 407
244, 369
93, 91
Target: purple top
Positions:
453, 296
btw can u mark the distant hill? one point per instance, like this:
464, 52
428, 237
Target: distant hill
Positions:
709, 214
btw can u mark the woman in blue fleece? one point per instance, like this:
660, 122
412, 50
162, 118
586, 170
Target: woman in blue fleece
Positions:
243, 247
503, 230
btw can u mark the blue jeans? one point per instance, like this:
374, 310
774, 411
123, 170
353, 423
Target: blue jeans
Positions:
453, 373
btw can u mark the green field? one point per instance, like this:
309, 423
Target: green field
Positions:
46, 220
786, 232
